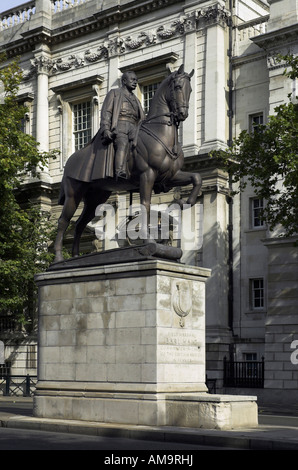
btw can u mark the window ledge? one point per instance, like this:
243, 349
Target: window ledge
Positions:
94, 80
255, 229
256, 311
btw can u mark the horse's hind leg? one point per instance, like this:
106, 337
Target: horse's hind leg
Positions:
92, 200
68, 211
72, 200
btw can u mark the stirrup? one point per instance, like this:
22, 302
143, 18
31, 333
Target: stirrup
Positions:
121, 174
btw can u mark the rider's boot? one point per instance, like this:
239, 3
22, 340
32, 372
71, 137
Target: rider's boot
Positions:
120, 171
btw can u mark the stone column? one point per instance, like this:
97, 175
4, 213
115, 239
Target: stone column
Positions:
2, 355
43, 65
215, 119
42, 125
215, 256
43, 14
190, 145
114, 46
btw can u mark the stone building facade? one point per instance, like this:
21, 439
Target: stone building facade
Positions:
74, 51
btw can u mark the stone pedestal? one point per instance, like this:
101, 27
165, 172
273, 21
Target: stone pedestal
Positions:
125, 343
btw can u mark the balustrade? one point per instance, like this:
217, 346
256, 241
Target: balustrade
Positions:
17, 15
251, 29
22, 13
61, 5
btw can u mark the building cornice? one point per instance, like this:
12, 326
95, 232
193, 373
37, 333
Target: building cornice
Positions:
184, 23
238, 61
116, 44
277, 38
279, 242
93, 80
28, 42
95, 22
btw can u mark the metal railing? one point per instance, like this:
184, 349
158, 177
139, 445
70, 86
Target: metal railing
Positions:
5, 369
14, 385
248, 374
211, 385
8, 324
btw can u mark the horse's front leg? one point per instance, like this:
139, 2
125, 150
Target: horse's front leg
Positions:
147, 179
184, 178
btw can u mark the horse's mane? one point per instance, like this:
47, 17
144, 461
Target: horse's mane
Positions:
165, 90
164, 86
165, 83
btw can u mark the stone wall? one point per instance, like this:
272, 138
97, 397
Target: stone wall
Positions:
281, 336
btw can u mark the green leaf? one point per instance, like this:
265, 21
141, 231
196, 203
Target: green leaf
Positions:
24, 230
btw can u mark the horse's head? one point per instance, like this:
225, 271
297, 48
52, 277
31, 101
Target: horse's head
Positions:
180, 90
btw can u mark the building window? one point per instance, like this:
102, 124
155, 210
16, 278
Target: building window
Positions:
26, 100
256, 209
148, 93
251, 368
249, 357
31, 357
150, 73
255, 121
78, 108
257, 294
82, 124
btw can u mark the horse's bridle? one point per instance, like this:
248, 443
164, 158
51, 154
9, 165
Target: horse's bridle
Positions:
173, 101
170, 122
173, 119
173, 115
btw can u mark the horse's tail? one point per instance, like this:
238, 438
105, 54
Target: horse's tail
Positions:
61, 199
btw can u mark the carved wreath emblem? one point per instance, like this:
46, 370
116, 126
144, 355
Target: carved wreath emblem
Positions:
182, 300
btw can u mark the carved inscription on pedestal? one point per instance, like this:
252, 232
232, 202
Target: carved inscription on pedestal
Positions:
180, 347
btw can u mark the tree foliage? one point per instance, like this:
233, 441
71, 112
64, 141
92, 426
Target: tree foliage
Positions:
267, 158
23, 229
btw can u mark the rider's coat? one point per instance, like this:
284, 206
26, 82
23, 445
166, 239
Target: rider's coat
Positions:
96, 160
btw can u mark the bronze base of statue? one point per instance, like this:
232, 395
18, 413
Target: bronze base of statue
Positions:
146, 251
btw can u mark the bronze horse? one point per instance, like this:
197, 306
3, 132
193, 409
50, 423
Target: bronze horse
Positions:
154, 165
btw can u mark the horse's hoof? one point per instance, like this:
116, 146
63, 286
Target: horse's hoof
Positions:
58, 258
180, 202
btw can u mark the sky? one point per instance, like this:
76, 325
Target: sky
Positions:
7, 4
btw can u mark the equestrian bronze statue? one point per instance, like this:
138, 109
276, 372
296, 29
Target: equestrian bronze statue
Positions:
153, 163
